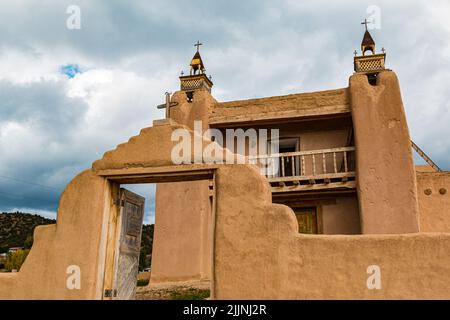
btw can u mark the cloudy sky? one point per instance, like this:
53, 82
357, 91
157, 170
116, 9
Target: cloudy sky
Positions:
69, 95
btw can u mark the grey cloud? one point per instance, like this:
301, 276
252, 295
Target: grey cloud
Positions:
52, 117
43, 105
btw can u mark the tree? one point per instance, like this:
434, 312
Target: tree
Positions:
143, 261
14, 260
28, 243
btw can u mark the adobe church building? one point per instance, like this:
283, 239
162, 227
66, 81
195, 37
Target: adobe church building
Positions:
346, 215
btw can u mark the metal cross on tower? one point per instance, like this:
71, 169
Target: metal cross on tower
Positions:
198, 44
167, 105
365, 23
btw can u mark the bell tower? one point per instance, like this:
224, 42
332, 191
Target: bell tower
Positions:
197, 78
369, 64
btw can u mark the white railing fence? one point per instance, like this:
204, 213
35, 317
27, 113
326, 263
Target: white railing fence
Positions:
307, 165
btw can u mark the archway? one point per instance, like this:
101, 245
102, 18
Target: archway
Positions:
121, 256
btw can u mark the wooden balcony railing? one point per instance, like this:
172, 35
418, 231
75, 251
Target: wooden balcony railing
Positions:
325, 168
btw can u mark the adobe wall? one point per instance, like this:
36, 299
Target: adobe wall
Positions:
323, 140
337, 214
182, 210
258, 252
75, 239
342, 217
309, 104
385, 175
312, 136
433, 189
181, 241
260, 255
80, 234
199, 109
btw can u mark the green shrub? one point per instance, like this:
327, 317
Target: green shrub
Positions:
189, 294
14, 260
142, 282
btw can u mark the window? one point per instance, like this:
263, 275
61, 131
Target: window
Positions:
288, 166
307, 220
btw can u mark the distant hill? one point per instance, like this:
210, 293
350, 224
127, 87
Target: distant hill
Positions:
16, 227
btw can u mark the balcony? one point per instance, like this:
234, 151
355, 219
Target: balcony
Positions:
309, 170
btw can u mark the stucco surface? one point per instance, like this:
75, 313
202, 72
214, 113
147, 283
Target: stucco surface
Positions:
141, 150
342, 217
80, 235
336, 213
186, 113
257, 250
181, 243
433, 189
424, 168
260, 255
289, 106
385, 175
73, 240
153, 148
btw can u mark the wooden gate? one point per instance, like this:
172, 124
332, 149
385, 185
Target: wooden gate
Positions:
127, 246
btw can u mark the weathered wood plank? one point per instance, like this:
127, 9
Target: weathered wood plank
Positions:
309, 187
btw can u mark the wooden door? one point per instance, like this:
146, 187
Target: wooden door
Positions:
307, 220
288, 167
128, 245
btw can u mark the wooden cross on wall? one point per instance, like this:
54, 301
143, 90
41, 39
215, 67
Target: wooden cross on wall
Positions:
167, 105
